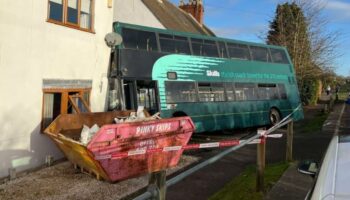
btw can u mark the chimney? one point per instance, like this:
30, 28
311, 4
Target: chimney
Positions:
194, 8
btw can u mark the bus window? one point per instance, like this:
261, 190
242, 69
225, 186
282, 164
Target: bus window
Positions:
245, 91
182, 45
204, 92
279, 56
180, 92
238, 51
222, 50
209, 92
143, 40
260, 54
197, 46
174, 44
210, 49
282, 91
218, 91
267, 91
230, 91
167, 43
204, 48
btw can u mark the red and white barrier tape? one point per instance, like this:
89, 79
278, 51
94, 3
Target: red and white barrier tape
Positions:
108, 154
143, 151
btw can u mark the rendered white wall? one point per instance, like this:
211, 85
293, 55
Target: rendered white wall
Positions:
31, 50
135, 12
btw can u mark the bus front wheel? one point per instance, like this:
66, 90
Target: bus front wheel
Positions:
275, 116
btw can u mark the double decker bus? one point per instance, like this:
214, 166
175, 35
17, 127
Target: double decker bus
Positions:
220, 83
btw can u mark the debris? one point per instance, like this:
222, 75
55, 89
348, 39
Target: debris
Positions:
87, 133
140, 115
84, 134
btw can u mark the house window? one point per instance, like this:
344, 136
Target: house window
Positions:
73, 13
63, 101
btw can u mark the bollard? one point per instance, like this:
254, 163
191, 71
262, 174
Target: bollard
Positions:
260, 165
158, 179
289, 150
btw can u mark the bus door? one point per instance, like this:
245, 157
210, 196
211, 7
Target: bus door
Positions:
141, 93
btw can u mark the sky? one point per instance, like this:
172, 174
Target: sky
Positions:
248, 20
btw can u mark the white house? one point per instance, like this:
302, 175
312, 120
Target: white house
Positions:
50, 50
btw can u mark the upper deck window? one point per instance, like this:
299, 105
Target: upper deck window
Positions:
174, 44
72, 13
260, 54
204, 48
222, 50
143, 40
279, 56
238, 51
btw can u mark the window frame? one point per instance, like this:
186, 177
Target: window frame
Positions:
65, 100
65, 22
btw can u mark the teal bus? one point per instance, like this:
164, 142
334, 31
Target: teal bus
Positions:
220, 83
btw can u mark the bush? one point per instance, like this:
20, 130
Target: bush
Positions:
310, 92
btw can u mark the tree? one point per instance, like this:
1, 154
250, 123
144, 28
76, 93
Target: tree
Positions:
289, 28
299, 27
324, 42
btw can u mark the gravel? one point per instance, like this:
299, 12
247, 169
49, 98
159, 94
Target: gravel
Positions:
62, 181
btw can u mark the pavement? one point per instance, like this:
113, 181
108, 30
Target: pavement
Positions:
294, 185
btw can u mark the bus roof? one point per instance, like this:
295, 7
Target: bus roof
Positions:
118, 25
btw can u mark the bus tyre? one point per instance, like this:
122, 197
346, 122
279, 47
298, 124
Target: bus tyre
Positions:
275, 116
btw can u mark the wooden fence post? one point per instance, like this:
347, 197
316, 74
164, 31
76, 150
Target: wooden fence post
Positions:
289, 151
158, 179
260, 165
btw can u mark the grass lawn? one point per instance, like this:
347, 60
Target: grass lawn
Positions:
343, 96
244, 186
315, 124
